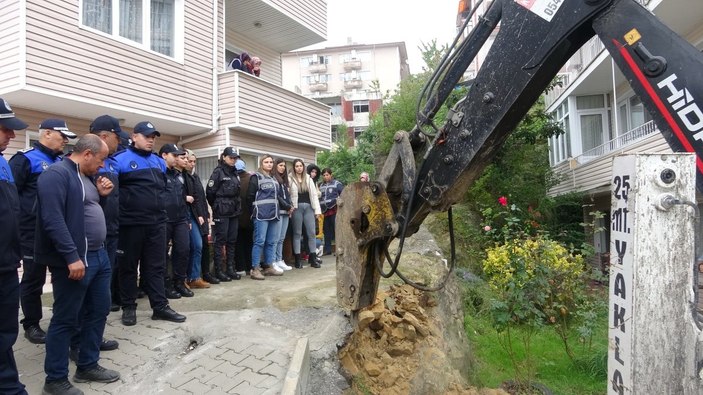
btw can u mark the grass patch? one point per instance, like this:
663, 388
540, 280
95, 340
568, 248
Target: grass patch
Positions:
586, 375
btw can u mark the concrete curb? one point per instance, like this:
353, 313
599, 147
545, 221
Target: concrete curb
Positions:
296, 381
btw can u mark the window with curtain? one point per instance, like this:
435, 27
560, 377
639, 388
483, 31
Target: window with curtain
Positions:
157, 33
163, 26
131, 19
98, 15
591, 131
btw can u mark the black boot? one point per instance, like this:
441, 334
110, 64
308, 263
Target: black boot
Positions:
312, 259
231, 273
210, 279
298, 263
220, 275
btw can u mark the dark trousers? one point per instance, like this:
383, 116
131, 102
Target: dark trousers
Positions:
205, 257
111, 248
78, 306
242, 251
178, 233
33, 279
142, 246
328, 231
9, 307
225, 232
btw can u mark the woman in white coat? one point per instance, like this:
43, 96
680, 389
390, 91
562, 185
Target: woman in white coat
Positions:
304, 196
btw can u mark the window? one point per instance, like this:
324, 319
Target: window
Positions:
156, 25
560, 146
357, 131
360, 106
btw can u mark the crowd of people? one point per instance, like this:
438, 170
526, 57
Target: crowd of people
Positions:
93, 217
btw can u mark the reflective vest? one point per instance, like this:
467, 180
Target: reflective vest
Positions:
265, 207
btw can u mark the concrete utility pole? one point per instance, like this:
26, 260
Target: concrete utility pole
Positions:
653, 333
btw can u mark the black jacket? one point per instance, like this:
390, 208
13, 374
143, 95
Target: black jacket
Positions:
175, 196
223, 192
142, 183
60, 230
194, 187
111, 202
9, 213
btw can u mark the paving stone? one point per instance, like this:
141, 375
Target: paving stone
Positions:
246, 389
194, 386
250, 377
253, 363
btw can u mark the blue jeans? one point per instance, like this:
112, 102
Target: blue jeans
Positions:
266, 235
283, 219
196, 250
87, 299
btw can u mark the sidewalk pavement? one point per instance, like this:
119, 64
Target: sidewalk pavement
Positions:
222, 348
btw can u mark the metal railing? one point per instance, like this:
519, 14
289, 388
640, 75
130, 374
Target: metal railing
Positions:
619, 142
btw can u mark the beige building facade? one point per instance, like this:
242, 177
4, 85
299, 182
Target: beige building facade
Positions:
351, 79
165, 61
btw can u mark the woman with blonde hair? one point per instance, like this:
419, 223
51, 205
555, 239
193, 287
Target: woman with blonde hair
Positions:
306, 207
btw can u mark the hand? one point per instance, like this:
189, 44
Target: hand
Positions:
104, 186
201, 220
190, 199
76, 270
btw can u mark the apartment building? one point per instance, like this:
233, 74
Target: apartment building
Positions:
602, 117
351, 79
165, 61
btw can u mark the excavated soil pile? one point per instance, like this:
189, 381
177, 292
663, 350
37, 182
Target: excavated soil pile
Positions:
399, 348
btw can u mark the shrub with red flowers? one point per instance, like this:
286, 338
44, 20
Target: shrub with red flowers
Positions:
507, 222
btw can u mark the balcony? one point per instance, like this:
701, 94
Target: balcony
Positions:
356, 83
352, 64
318, 87
253, 105
617, 143
316, 68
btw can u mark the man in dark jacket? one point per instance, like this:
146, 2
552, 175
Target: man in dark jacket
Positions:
223, 195
142, 240
245, 234
9, 257
177, 222
26, 167
108, 129
70, 240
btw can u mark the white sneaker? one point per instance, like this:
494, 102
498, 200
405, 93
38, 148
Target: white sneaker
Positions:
282, 265
276, 268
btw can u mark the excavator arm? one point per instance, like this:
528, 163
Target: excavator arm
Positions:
535, 39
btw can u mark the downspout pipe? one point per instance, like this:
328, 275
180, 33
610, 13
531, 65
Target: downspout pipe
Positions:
215, 83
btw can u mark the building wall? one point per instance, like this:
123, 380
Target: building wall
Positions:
129, 76
386, 63
11, 45
311, 13
596, 174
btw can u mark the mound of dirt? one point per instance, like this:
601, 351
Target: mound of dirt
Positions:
399, 347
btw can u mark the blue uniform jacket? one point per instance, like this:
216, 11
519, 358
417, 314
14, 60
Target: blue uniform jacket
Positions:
111, 202
9, 213
60, 230
142, 185
26, 166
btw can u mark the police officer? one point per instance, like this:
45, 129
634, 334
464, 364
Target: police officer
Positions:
9, 257
108, 129
223, 195
26, 167
142, 234
177, 224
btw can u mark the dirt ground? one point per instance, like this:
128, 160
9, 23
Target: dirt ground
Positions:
410, 341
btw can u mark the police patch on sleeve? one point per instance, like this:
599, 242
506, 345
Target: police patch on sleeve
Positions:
211, 183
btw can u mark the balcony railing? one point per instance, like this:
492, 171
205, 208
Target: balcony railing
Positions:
575, 66
353, 84
317, 68
621, 141
318, 87
353, 64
